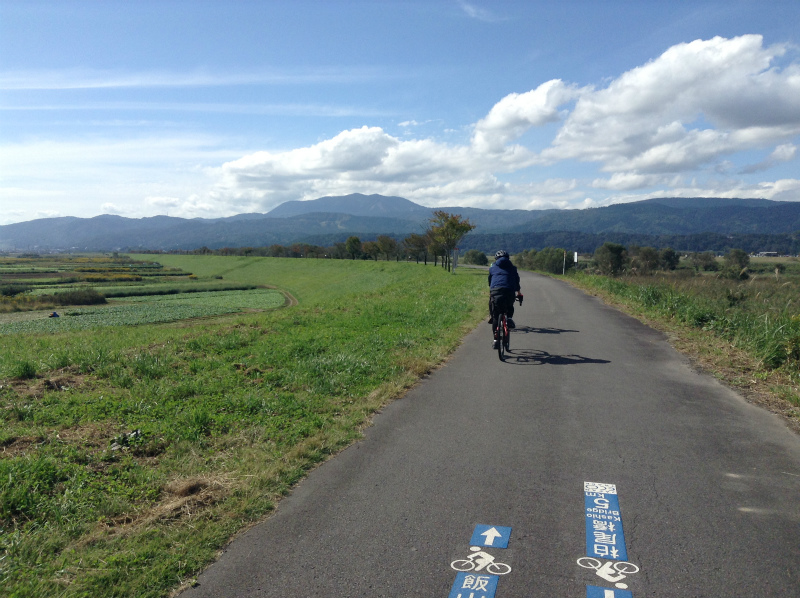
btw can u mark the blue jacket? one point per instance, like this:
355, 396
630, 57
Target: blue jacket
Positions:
503, 275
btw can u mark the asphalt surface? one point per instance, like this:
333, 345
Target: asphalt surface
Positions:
708, 485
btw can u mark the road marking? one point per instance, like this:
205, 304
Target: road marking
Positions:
481, 561
611, 571
468, 585
495, 536
595, 592
605, 537
478, 573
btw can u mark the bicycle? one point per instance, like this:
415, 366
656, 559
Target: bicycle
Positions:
481, 561
500, 328
610, 571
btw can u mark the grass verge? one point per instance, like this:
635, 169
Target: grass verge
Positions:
130, 456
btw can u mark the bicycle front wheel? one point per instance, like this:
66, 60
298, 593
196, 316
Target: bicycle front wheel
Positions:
498, 568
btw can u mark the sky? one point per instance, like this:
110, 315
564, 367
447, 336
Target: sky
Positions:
209, 109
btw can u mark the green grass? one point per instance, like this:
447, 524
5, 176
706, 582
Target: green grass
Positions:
132, 454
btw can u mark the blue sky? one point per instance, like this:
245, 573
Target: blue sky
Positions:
209, 109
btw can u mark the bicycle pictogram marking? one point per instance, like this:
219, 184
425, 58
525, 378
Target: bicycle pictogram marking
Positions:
613, 572
480, 561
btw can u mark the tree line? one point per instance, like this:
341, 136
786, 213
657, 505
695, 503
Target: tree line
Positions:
613, 259
785, 244
436, 243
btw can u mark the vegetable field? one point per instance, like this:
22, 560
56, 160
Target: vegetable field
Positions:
146, 309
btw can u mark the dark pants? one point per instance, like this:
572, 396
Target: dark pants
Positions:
501, 300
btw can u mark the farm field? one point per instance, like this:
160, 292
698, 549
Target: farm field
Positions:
144, 309
129, 454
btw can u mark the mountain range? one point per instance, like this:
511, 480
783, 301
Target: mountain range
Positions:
329, 220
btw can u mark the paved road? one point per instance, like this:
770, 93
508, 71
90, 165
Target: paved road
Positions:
708, 485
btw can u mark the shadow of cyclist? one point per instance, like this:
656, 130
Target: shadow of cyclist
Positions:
534, 330
533, 357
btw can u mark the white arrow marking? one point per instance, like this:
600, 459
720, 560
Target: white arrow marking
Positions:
491, 535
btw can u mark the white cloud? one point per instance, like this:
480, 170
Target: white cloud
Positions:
694, 104
628, 181
479, 13
91, 176
110, 208
516, 113
98, 79
783, 153
306, 110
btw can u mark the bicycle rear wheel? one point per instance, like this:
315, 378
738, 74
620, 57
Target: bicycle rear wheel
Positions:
501, 337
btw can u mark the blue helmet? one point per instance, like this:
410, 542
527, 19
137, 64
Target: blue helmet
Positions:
501, 253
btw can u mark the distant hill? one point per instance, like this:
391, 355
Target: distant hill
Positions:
354, 204
675, 217
328, 220
399, 208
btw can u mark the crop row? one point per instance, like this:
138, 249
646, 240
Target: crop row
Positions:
147, 310
251, 299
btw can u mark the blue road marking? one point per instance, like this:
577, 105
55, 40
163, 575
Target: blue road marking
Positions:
605, 538
595, 592
495, 536
473, 585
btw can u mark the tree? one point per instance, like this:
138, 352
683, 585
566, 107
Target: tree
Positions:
388, 246
610, 258
353, 246
737, 259
645, 259
339, 251
549, 259
417, 245
525, 259
669, 258
478, 258
705, 261
371, 249
448, 230
435, 248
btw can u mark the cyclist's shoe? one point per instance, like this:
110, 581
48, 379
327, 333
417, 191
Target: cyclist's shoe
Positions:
510, 323
495, 344
489, 321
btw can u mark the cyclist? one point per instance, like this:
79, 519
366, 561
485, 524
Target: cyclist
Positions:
480, 558
503, 286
